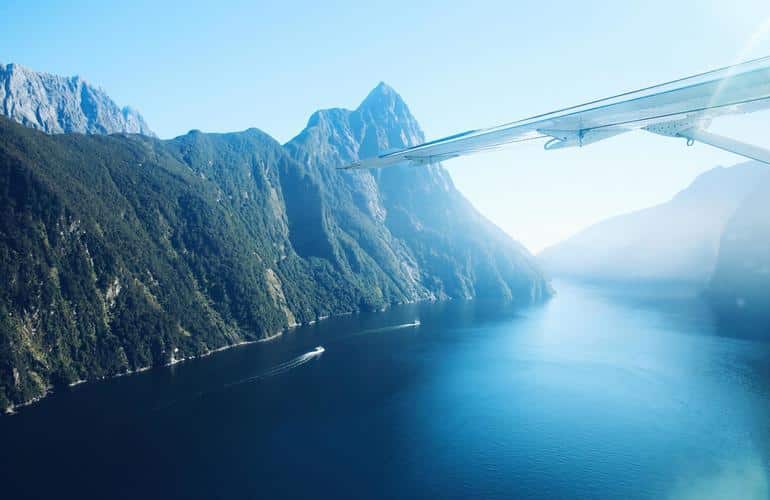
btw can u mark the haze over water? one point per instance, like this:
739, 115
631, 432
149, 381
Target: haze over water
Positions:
600, 393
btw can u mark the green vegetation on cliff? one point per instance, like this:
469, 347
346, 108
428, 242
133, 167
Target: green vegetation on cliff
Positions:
123, 252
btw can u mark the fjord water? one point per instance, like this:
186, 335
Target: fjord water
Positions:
599, 393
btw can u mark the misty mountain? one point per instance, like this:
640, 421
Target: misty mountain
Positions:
432, 234
676, 241
123, 252
56, 104
740, 286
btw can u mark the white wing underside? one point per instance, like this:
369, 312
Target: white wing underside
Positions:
681, 108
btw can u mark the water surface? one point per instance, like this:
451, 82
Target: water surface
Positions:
600, 393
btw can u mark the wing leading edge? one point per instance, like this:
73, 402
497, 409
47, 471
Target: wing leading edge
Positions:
681, 108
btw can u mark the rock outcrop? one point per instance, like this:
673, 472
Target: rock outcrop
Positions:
122, 252
56, 104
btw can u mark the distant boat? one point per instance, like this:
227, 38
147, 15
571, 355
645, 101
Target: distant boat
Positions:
415, 323
318, 350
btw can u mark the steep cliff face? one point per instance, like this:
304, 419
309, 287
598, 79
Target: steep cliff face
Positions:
124, 252
116, 257
740, 286
436, 240
676, 241
283, 211
56, 104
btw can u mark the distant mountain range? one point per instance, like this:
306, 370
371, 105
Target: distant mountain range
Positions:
740, 284
678, 241
123, 252
56, 104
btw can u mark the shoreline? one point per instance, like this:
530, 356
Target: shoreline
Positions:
13, 409
50, 389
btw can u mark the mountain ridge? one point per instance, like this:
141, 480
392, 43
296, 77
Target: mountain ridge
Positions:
677, 240
739, 288
125, 251
56, 104
337, 137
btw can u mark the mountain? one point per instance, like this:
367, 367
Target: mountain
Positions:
434, 238
676, 241
56, 104
123, 252
740, 286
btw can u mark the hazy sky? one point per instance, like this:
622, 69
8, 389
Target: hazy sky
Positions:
458, 64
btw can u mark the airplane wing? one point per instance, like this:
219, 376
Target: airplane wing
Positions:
681, 108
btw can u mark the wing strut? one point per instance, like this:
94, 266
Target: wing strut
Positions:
731, 145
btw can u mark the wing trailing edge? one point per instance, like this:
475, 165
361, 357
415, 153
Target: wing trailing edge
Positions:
681, 108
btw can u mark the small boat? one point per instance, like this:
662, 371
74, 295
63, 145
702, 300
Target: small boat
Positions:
318, 350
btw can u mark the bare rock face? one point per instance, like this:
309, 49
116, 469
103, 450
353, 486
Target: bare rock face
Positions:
166, 250
412, 222
56, 104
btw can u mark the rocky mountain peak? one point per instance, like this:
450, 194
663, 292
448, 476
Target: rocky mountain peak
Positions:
215, 239
383, 95
385, 109
381, 122
56, 104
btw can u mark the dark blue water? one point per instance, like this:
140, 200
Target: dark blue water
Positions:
632, 394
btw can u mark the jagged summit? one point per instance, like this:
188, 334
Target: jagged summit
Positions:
381, 101
381, 94
430, 228
381, 122
207, 240
57, 104
385, 106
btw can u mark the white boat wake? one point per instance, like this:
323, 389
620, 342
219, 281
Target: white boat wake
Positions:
413, 324
283, 367
272, 372
292, 363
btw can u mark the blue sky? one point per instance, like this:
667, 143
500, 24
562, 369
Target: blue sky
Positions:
458, 64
